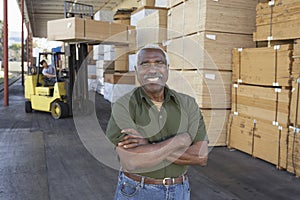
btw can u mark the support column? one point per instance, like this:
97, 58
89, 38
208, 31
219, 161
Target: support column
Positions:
5, 52
22, 42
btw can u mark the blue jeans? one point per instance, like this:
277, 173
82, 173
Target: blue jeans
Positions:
133, 190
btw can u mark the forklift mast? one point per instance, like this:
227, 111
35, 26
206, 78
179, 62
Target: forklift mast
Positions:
77, 85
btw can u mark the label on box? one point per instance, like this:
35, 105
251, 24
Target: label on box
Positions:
210, 76
211, 36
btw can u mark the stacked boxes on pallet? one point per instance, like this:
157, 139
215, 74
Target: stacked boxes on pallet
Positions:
294, 135
151, 27
118, 80
201, 35
264, 121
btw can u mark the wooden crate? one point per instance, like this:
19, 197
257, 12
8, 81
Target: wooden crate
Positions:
206, 50
258, 138
280, 21
293, 154
211, 89
216, 121
264, 103
232, 16
152, 28
269, 66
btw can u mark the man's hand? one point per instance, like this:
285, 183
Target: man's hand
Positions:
132, 139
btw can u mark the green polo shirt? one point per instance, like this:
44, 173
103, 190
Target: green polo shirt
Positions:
179, 114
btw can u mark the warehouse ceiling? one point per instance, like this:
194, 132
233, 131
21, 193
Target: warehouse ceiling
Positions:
38, 12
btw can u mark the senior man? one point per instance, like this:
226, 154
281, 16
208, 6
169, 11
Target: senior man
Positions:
157, 132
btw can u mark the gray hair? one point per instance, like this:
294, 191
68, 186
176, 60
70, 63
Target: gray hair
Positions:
151, 46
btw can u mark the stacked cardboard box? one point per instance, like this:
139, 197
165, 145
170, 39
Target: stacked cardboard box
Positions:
79, 29
152, 28
201, 35
122, 16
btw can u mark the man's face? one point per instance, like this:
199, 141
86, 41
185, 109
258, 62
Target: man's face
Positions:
152, 71
45, 65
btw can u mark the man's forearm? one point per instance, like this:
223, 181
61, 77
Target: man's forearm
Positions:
149, 155
196, 154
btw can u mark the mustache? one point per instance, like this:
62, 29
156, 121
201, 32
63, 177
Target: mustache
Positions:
154, 75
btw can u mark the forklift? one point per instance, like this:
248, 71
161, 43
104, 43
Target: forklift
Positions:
71, 94
42, 96
58, 99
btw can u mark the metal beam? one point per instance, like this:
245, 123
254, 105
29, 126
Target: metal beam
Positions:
22, 41
5, 52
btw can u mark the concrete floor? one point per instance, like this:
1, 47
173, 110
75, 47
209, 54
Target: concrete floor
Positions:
42, 158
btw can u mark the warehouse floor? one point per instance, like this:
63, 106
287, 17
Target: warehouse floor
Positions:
42, 158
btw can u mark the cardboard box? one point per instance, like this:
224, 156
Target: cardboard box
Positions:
146, 2
229, 16
120, 78
211, 89
77, 29
269, 66
105, 64
206, 50
66, 29
112, 92
152, 28
104, 15
142, 12
172, 3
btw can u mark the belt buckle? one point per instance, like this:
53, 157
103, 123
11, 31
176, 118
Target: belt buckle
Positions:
165, 181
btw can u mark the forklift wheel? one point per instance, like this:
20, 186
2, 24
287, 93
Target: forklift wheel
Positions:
59, 110
28, 108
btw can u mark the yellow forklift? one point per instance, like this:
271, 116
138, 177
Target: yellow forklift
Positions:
70, 95
43, 97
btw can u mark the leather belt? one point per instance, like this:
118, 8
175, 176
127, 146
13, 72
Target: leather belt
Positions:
165, 181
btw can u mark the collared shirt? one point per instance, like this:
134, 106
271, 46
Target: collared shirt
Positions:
49, 70
179, 114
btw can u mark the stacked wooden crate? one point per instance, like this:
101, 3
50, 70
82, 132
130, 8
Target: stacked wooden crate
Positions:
277, 20
294, 135
264, 120
261, 98
201, 35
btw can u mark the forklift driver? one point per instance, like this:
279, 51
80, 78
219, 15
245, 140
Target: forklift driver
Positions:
49, 73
